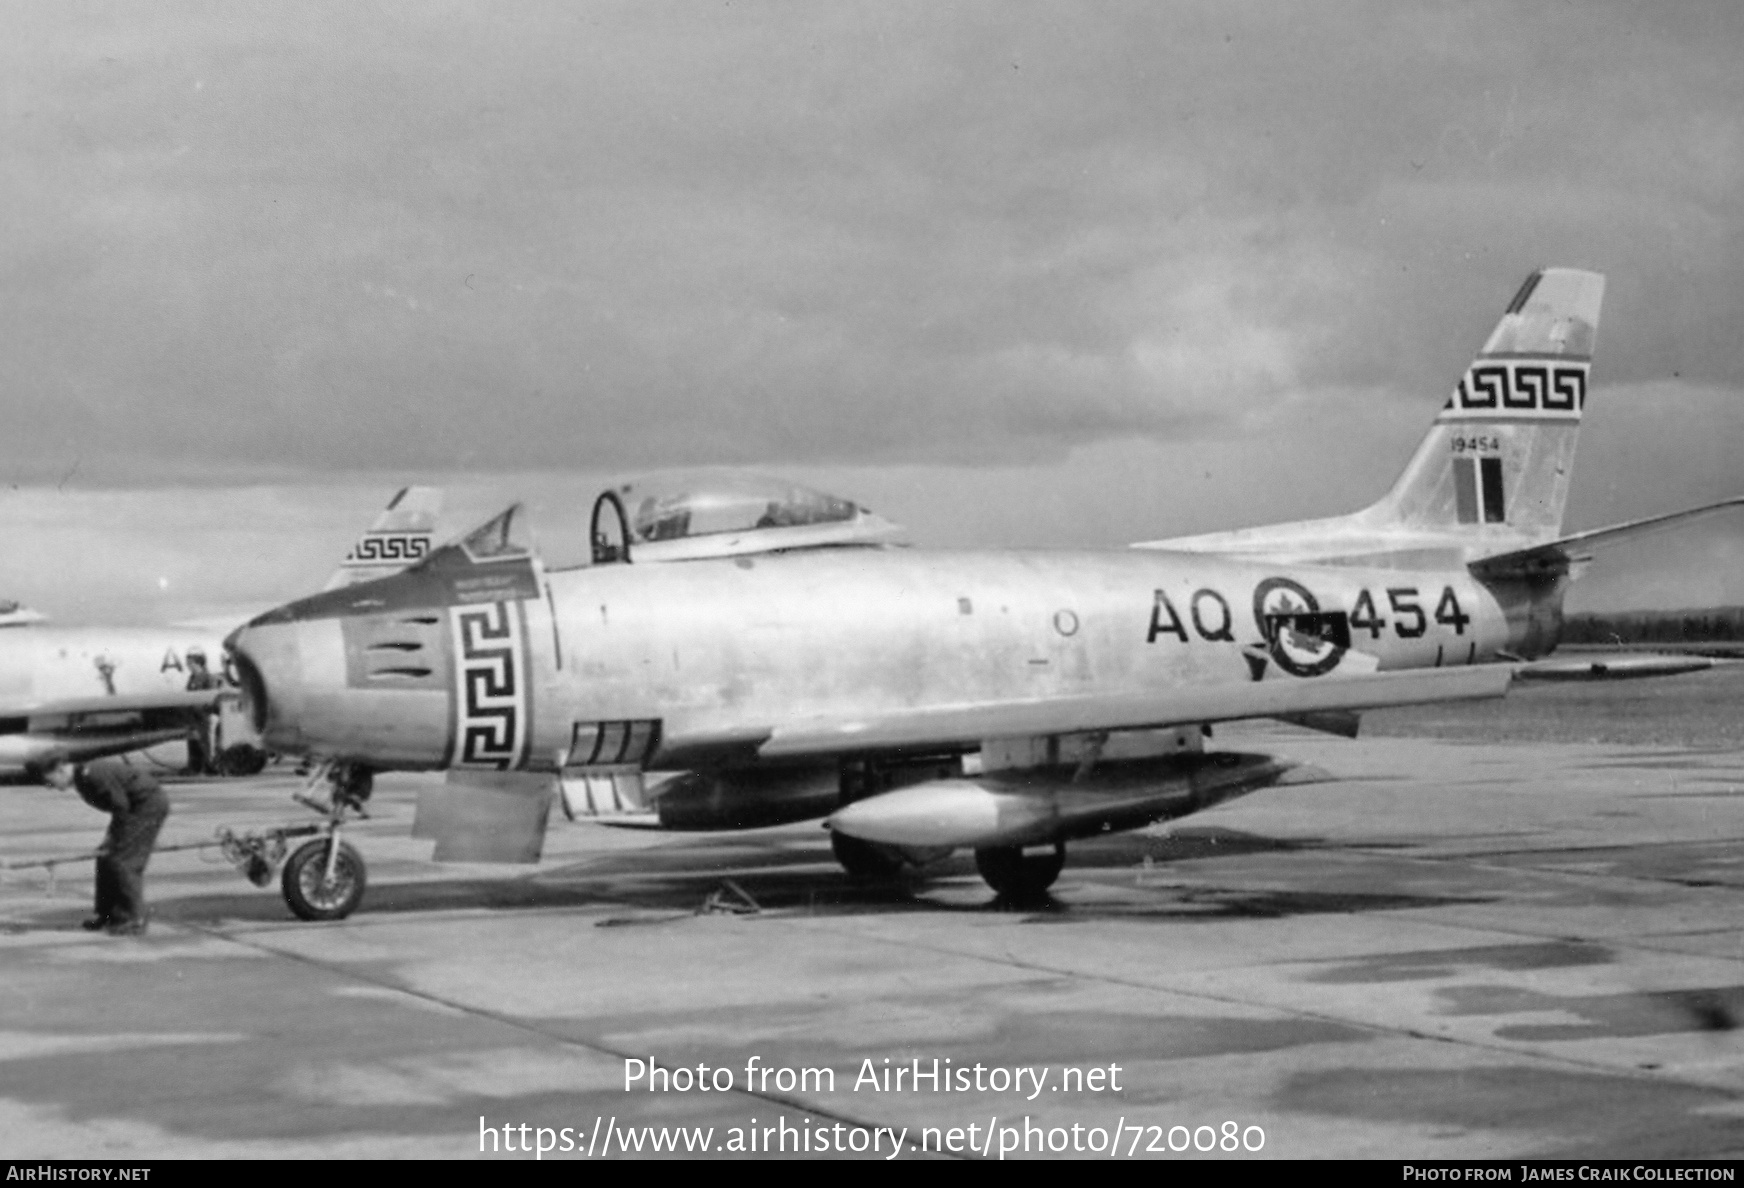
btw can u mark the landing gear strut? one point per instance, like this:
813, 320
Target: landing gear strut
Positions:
1018, 876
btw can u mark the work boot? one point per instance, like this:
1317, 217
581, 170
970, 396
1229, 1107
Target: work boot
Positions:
95, 924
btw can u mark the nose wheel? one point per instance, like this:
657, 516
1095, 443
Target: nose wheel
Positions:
324, 879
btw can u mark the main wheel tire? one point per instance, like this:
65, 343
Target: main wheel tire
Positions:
241, 760
866, 862
310, 895
1019, 876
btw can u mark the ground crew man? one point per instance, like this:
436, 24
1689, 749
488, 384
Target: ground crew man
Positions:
201, 750
137, 808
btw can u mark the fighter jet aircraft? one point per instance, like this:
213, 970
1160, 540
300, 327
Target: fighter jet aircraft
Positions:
96, 691
745, 652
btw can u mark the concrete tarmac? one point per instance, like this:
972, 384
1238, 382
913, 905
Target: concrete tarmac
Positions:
1457, 950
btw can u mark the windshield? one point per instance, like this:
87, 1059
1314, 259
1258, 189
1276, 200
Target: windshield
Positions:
498, 538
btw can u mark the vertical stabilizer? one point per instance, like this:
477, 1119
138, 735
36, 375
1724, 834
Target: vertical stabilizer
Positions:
401, 536
1492, 475
1496, 463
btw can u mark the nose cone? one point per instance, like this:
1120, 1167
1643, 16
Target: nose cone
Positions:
269, 665
364, 681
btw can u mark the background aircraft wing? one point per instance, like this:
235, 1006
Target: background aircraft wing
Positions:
168, 699
943, 726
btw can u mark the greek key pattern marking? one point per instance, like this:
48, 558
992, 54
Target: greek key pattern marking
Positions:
377, 547
490, 702
1529, 387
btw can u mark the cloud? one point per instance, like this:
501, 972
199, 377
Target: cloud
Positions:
341, 239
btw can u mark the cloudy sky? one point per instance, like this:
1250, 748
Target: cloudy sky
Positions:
1010, 273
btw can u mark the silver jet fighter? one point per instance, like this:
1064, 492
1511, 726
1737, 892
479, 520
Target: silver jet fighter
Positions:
743, 652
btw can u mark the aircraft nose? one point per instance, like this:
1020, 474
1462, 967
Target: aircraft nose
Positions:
269, 666
362, 684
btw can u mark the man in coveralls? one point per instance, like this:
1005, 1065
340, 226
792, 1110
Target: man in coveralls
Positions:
137, 808
200, 679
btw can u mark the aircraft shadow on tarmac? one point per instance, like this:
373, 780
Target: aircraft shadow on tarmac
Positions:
1122, 876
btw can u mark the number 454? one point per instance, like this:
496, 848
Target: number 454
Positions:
1409, 621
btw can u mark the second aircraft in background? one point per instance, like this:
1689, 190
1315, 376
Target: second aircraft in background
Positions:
94, 691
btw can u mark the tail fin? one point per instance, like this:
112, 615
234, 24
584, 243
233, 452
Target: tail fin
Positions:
1496, 463
1492, 475
403, 535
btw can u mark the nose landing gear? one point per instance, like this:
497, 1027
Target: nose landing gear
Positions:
324, 879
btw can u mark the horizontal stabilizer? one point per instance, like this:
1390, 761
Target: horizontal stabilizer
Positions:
13, 614
1555, 557
946, 726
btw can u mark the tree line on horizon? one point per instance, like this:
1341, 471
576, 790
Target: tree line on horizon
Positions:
1719, 624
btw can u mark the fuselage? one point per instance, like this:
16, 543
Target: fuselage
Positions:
651, 663
43, 664
96, 690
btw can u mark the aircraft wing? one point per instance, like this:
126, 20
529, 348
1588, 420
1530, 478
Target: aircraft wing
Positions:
942, 726
1557, 555
168, 699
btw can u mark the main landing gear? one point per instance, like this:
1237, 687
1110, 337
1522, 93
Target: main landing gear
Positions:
1018, 876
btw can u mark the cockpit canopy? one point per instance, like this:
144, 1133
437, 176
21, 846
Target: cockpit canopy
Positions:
687, 515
